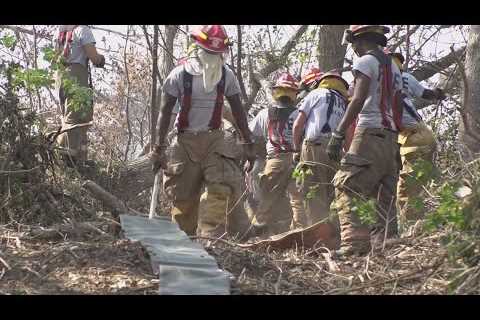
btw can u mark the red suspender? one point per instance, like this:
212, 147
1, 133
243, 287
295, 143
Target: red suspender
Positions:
216, 119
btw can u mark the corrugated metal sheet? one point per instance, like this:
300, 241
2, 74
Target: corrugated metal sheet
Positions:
183, 266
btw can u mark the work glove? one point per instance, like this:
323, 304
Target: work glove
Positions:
439, 94
101, 62
250, 155
296, 157
158, 158
334, 146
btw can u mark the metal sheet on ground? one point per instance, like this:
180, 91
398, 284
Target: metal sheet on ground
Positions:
183, 266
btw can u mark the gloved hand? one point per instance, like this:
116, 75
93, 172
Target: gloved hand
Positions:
296, 157
250, 155
158, 158
101, 62
439, 94
334, 146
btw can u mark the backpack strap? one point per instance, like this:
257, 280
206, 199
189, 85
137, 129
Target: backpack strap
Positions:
277, 122
65, 39
216, 119
186, 101
331, 102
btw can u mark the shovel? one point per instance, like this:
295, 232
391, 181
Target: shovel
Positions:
153, 202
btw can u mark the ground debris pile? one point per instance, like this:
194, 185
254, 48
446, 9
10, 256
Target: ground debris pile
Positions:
415, 264
439, 254
87, 264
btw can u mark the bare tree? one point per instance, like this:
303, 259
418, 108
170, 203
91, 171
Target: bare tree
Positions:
471, 91
274, 63
153, 106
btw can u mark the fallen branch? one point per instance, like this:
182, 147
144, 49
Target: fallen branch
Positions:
431, 68
117, 206
5, 263
19, 171
75, 126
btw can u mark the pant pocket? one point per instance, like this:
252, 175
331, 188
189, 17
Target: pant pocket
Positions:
349, 175
178, 184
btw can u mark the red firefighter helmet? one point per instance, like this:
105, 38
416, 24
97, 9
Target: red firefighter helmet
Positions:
211, 38
286, 80
334, 74
310, 76
354, 31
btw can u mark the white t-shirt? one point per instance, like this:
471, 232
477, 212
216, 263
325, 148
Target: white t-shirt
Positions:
259, 128
81, 36
412, 88
202, 103
315, 107
371, 116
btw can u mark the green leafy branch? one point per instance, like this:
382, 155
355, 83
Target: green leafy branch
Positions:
366, 210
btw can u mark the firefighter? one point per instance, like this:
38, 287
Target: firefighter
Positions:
75, 47
196, 156
416, 142
369, 168
319, 113
274, 125
309, 82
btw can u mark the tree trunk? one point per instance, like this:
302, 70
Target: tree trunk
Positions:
471, 89
154, 107
168, 62
330, 50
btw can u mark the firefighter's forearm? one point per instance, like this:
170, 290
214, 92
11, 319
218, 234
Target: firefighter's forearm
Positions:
352, 112
162, 128
163, 122
92, 54
360, 93
240, 118
298, 127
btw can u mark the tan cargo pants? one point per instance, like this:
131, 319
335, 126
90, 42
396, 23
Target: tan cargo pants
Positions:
275, 180
417, 143
195, 160
368, 170
76, 139
315, 158
237, 220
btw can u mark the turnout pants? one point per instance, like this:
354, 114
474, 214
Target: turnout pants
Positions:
75, 140
417, 143
367, 171
275, 180
196, 160
319, 183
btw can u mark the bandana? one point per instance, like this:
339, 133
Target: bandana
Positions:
200, 62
